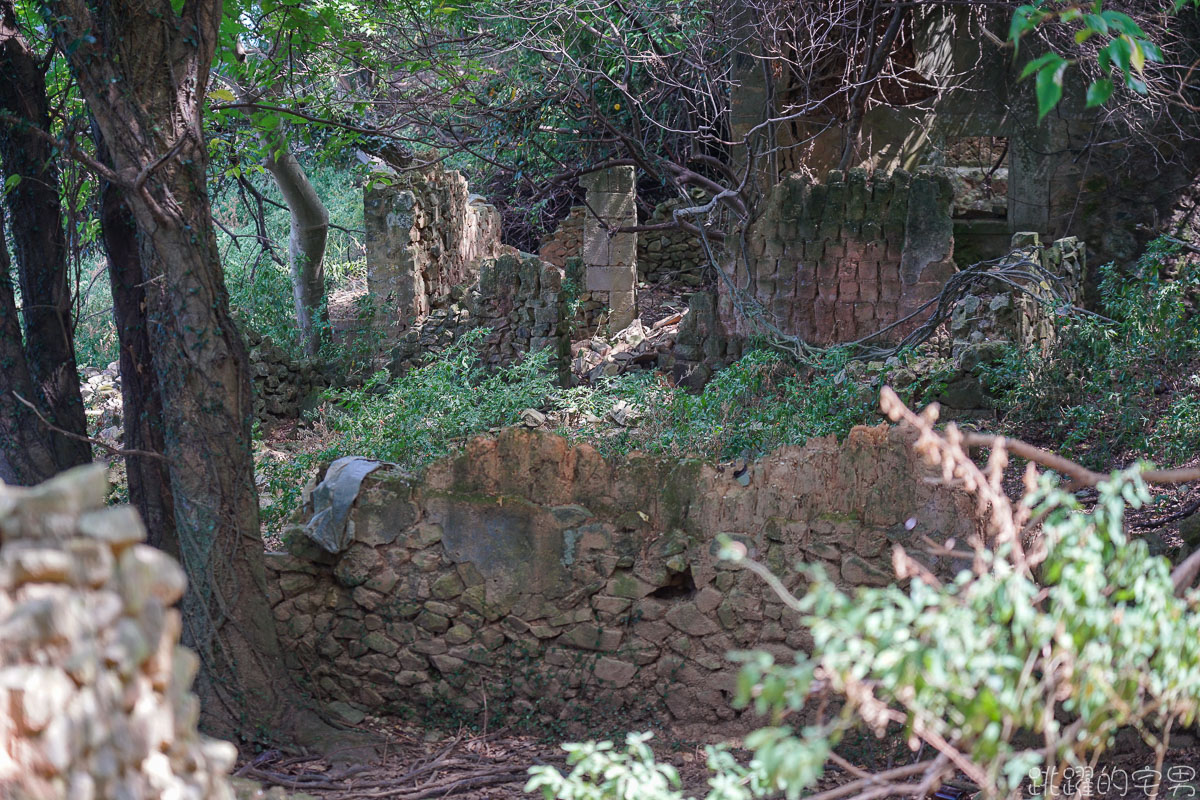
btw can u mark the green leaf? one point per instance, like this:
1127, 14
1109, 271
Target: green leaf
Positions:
1099, 92
1038, 63
10, 183
222, 94
1137, 58
1049, 86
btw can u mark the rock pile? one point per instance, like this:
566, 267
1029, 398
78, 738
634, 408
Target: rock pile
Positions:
94, 686
101, 391
283, 385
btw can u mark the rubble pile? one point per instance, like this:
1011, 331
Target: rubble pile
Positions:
94, 686
636, 347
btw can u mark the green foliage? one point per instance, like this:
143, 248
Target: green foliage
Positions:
755, 404
598, 771
998, 659
429, 410
1176, 435
415, 418
1102, 386
1124, 55
260, 286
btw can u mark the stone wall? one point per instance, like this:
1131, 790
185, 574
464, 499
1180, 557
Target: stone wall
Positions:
566, 241
666, 256
425, 235
835, 261
610, 258
95, 697
1002, 312
283, 386
520, 298
545, 580
671, 255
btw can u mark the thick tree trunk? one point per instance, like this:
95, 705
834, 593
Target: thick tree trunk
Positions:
149, 479
39, 242
143, 68
26, 454
306, 244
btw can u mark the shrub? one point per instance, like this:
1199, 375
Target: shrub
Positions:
1096, 393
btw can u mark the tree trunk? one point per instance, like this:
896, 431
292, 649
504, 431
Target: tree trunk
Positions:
39, 243
149, 479
306, 243
26, 454
143, 69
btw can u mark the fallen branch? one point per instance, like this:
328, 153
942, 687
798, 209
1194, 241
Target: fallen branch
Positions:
1186, 511
1076, 472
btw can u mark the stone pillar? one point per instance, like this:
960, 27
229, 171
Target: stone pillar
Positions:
610, 259
393, 275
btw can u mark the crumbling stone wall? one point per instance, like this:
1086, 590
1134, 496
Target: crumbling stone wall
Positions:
425, 235
558, 583
431, 335
520, 298
669, 255
94, 686
566, 241
835, 261
1002, 312
829, 262
283, 386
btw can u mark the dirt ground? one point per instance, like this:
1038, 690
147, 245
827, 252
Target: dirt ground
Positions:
425, 763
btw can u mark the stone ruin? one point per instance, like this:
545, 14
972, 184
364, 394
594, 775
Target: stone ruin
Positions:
425, 235
283, 386
669, 255
609, 255
829, 262
95, 697
540, 578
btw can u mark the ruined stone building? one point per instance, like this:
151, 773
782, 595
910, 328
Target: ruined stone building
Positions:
958, 103
949, 164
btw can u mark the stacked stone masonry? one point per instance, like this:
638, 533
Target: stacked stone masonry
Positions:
663, 256
425, 235
539, 576
609, 257
520, 299
283, 386
95, 697
836, 261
